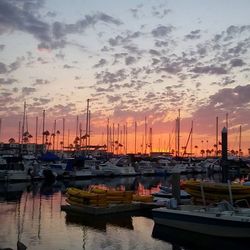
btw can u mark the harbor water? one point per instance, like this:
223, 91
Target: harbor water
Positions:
31, 213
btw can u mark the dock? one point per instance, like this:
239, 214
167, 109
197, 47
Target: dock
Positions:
111, 209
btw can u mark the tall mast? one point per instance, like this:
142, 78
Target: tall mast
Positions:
36, 133
54, 137
191, 142
23, 124
19, 132
89, 130
135, 136
43, 127
68, 137
63, 133
240, 142
107, 148
87, 125
77, 125
0, 128
145, 132
126, 139
118, 137
217, 140
150, 139
80, 135
178, 132
113, 138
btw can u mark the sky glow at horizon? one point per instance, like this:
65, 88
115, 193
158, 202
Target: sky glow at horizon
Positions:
132, 59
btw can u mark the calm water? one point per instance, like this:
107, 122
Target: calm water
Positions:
32, 214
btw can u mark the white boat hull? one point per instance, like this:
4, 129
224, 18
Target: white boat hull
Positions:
209, 224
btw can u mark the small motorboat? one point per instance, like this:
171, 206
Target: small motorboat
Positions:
222, 219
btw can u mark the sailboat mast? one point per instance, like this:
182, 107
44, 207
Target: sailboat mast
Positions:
191, 142
145, 132
36, 132
217, 140
107, 148
126, 139
19, 132
0, 128
24, 119
150, 140
240, 142
63, 133
135, 136
43, 127
178, 132
89, 130
76, 136
54, 137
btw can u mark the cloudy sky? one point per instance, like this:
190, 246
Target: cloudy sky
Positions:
133, 59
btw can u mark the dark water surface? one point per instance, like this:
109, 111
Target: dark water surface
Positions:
32, 213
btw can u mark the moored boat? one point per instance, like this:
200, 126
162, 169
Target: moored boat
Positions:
222, 220
216, 191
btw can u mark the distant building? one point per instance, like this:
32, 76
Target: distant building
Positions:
16, 148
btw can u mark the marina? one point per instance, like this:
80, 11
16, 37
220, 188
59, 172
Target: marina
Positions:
124, 125
39, 216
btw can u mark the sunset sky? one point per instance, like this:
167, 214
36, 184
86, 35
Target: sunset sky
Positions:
132, 59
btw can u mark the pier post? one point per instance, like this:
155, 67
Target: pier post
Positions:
176, 190
224, 161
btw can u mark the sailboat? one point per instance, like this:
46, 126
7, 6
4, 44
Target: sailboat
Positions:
13, 167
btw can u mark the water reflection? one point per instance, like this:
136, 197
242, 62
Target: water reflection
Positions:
181, 239
100, 222
32, 213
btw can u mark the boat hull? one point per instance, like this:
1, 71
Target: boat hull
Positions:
209, 224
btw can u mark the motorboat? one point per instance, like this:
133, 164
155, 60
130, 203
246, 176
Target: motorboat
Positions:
222, 219
145, 167
115, 167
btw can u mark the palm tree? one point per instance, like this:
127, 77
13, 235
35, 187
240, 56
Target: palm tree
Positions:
202, 152
12, 140
61, 144
46, 134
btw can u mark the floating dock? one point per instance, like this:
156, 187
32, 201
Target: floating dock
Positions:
111, 209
